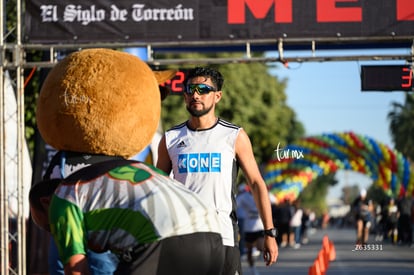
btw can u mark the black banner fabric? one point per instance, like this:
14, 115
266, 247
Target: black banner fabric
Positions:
75, 21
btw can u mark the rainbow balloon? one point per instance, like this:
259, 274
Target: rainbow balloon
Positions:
293, 167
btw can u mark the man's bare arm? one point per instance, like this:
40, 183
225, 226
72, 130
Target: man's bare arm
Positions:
164, 161
77, 265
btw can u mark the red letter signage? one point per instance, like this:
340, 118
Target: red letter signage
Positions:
405, 10
259, 9
327, 11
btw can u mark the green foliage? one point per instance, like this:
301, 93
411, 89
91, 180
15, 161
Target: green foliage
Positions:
401, 119
314, 195
31, 93
350, 193
11, 20
377, 194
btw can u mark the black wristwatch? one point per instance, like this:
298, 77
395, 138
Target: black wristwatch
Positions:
271, 232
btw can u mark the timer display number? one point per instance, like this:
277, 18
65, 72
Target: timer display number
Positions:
176, 84
387, 78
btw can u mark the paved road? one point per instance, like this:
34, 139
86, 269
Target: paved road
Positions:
392, 259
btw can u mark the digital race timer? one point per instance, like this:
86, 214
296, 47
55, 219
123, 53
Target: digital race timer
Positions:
387, 78
176, 84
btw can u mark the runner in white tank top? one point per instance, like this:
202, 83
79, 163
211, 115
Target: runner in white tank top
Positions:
208, 167
203, 153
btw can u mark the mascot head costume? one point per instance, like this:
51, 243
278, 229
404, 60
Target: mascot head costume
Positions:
100, 101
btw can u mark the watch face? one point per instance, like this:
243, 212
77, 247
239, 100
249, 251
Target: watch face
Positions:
271, 232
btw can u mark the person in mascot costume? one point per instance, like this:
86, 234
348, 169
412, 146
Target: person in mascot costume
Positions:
99, 108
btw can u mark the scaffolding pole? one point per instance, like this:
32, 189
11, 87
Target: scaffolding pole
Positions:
4, 223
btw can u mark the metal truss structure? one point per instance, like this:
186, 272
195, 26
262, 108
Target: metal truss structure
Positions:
12, 60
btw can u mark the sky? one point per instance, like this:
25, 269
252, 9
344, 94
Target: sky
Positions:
327, 98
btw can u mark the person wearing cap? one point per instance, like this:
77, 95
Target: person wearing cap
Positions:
204, 153
363, 217
152, 223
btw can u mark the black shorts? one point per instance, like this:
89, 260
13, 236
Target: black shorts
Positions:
198, 253
251, 237
284, 228
232, 262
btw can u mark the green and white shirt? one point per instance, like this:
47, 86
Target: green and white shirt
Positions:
123, 207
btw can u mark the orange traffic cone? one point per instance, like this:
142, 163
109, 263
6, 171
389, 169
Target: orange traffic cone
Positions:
332, 251
325, 252
325, 241
322, 262
315, 269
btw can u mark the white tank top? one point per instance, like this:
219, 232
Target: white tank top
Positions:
205, 162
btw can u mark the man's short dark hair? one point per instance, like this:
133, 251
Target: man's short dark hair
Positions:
215, 76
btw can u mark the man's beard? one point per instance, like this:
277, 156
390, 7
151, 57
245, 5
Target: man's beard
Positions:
198, 113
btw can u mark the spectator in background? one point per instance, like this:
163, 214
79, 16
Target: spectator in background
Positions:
295, 226
305, 226
392, 221
253, 227
362, 217
276, 220
405, 206
313, 222
283, 215
379, 222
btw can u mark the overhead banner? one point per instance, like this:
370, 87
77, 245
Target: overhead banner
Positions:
82, 21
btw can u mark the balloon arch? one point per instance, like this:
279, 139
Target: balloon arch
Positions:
294, 166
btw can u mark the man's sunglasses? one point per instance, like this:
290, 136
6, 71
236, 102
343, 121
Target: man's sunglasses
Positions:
201, 89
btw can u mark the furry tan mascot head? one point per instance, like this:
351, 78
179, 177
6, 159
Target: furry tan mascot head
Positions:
100, 101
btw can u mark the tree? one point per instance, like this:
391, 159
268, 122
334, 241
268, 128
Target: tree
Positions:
377, 194
314, 195
401, 119
350, 193
253, 99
